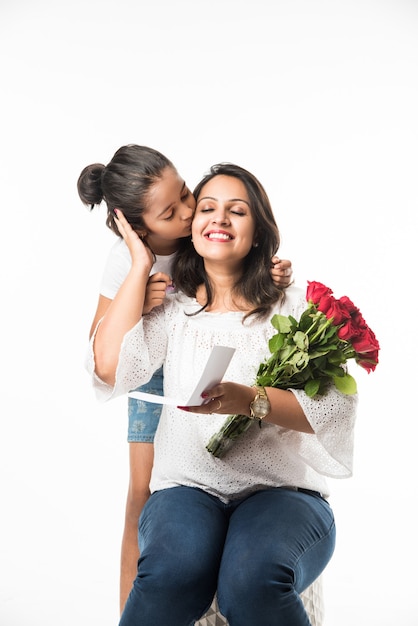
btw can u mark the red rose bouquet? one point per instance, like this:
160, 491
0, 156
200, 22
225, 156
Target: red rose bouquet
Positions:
310, 354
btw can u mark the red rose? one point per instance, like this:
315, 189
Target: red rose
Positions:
325, 303
348, 304
339, 312
351, 330
358, 319
347, 331
315, 291
365, 342
352, 327
369, 361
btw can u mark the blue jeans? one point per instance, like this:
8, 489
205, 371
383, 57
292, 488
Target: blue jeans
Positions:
143, 417
259, 552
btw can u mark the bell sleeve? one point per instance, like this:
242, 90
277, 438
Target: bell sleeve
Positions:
142, 353
329, 450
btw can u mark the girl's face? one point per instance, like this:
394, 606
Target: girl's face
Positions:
223, 227
169, 212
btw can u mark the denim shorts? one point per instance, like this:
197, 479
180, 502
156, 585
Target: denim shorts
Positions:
144, 416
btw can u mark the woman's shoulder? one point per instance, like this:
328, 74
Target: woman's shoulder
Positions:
294, 291
294, 301
184, 303
175, 304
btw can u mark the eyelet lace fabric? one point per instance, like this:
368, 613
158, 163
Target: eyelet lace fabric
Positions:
181, 342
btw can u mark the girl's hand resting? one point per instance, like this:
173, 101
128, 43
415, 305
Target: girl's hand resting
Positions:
156, 290
281, 271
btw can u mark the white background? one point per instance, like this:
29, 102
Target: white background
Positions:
318, 98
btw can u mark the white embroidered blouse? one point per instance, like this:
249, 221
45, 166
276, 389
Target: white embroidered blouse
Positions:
270, 456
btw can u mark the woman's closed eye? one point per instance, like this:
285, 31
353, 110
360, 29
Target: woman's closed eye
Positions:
238, 211
234, 210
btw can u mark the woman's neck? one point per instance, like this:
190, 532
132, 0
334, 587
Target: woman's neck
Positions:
224, 298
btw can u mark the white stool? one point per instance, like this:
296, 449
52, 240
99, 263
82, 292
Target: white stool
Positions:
312, 599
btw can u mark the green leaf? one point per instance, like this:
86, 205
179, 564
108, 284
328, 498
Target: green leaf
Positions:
299, 360
281, 323
301, 340
334, 370
337, 357
318, 353
346, 384
311, 388
276, 342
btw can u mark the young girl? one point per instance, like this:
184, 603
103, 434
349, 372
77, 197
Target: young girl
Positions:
157, 203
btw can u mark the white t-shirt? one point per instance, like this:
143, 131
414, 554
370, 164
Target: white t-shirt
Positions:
270, 456
119, 263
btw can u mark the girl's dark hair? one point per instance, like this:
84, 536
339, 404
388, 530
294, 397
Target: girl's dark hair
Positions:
256, 284
124, 183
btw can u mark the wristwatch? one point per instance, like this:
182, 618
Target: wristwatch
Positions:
260, 406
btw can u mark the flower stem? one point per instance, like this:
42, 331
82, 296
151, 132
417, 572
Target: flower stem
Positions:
232, 428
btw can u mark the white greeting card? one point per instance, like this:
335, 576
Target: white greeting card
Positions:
213, 373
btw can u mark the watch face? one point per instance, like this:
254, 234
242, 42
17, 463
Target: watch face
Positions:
261, 406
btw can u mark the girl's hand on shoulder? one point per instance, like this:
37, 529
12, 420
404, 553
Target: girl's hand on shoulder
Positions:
140, 253
281, 271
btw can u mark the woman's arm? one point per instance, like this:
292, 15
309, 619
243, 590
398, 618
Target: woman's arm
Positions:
235, 399
330, 418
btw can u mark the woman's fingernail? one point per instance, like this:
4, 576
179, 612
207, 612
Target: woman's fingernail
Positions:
184, 408
204, 394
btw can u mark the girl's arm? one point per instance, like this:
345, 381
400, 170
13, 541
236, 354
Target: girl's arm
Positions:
155, 295
124, 312
102, 306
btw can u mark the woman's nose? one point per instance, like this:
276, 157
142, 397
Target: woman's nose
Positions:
220, 217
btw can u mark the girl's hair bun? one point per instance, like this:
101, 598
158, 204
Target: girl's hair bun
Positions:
89, 184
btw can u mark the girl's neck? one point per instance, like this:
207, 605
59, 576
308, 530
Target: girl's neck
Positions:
163, 247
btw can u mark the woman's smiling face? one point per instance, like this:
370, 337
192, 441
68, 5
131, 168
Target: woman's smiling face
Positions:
223, 226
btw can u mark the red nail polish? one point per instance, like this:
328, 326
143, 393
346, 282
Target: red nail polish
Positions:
184, 408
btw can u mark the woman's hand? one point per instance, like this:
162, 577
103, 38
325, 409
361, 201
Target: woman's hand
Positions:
234, 399
225, 398
140, 253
